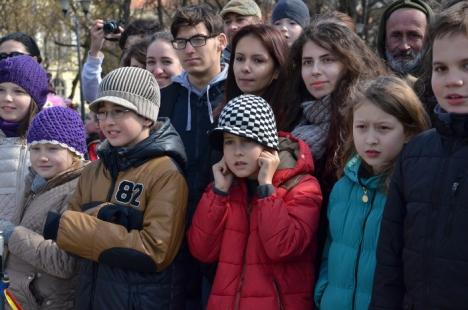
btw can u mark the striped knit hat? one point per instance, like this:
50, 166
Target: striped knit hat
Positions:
130, 87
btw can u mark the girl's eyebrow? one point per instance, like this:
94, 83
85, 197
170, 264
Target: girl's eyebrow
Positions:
438, 62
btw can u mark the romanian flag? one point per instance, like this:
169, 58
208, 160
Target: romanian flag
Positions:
11, 301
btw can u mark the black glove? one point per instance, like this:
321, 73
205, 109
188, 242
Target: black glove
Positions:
122, 215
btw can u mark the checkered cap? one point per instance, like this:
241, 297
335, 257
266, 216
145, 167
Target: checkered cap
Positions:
250, 117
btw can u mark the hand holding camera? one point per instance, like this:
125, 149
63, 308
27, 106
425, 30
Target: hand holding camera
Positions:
103, 30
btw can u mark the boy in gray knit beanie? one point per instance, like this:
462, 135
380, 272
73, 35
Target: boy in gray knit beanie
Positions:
290, 17
128, 213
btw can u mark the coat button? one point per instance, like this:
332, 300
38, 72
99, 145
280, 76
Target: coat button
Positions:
30, 277
48, 302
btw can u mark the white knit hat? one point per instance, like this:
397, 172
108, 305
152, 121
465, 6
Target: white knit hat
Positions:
133, 88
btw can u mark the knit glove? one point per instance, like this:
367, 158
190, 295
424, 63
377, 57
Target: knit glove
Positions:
7, 228
122, 215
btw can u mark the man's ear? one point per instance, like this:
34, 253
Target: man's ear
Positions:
222, 41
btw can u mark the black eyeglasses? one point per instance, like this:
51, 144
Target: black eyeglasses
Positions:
8, 55
196, 41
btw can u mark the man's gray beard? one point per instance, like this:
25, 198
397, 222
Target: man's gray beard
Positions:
403, 66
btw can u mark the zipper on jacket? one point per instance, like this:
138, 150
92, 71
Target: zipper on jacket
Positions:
363, 229
452, 205
244, 266
428, 243
278, 294
95, 267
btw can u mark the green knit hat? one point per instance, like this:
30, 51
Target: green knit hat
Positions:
400, 4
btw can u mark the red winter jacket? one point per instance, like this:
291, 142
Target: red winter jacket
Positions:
266, 258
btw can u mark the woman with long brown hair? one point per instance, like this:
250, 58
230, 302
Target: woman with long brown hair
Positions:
326, 63
259, 52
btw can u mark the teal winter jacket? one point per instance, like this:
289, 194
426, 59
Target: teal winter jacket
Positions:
349, 258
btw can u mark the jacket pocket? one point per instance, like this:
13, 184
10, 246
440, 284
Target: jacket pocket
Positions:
278, 294
25, 288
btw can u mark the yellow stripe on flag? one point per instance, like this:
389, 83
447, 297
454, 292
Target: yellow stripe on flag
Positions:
12, 303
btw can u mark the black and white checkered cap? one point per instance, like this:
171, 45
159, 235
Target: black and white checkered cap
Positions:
250, 117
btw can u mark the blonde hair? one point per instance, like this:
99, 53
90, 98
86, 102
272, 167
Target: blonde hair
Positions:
393, 96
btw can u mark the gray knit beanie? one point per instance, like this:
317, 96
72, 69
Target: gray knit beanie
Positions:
296, 10
130, 87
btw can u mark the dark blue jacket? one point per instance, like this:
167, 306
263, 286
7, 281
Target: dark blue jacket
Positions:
191, 114
422, 255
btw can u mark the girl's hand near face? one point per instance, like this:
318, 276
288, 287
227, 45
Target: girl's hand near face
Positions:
268, 163
222, 176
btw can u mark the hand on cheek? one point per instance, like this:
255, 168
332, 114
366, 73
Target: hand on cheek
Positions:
268, 163
222, 176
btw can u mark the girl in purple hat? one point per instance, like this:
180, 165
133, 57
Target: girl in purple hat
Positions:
23, 92
41, 274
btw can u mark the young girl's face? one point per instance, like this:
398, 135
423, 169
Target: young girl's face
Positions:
321, 70
49, 160
289, 28
450, 72
14, 102
241, 155
378, 136
162, 61
91, 125
254, 68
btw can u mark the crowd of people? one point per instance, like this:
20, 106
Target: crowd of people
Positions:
243, 160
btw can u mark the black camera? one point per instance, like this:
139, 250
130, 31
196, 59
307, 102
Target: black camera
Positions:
111, 27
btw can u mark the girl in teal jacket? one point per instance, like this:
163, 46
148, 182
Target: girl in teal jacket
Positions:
386, 113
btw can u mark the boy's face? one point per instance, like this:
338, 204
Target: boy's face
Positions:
450, 72
122, 127
233, 22
241, 155
49, 160
202, 60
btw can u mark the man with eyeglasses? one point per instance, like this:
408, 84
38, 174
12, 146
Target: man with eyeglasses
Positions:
191, 99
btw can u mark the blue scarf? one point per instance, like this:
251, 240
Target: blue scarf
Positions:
10, 129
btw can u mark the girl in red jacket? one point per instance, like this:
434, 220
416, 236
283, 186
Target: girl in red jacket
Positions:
259, 219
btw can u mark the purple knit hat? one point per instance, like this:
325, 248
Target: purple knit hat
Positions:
61, 126
26, 72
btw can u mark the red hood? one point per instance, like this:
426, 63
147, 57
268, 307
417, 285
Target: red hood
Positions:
295, 156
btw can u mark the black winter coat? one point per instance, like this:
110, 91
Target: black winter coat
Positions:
422, 256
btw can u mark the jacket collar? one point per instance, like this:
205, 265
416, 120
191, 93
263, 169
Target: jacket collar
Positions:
352, 171
451, 124
183, 80
163, 140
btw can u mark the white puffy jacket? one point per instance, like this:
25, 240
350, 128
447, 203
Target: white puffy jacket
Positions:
14, 166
